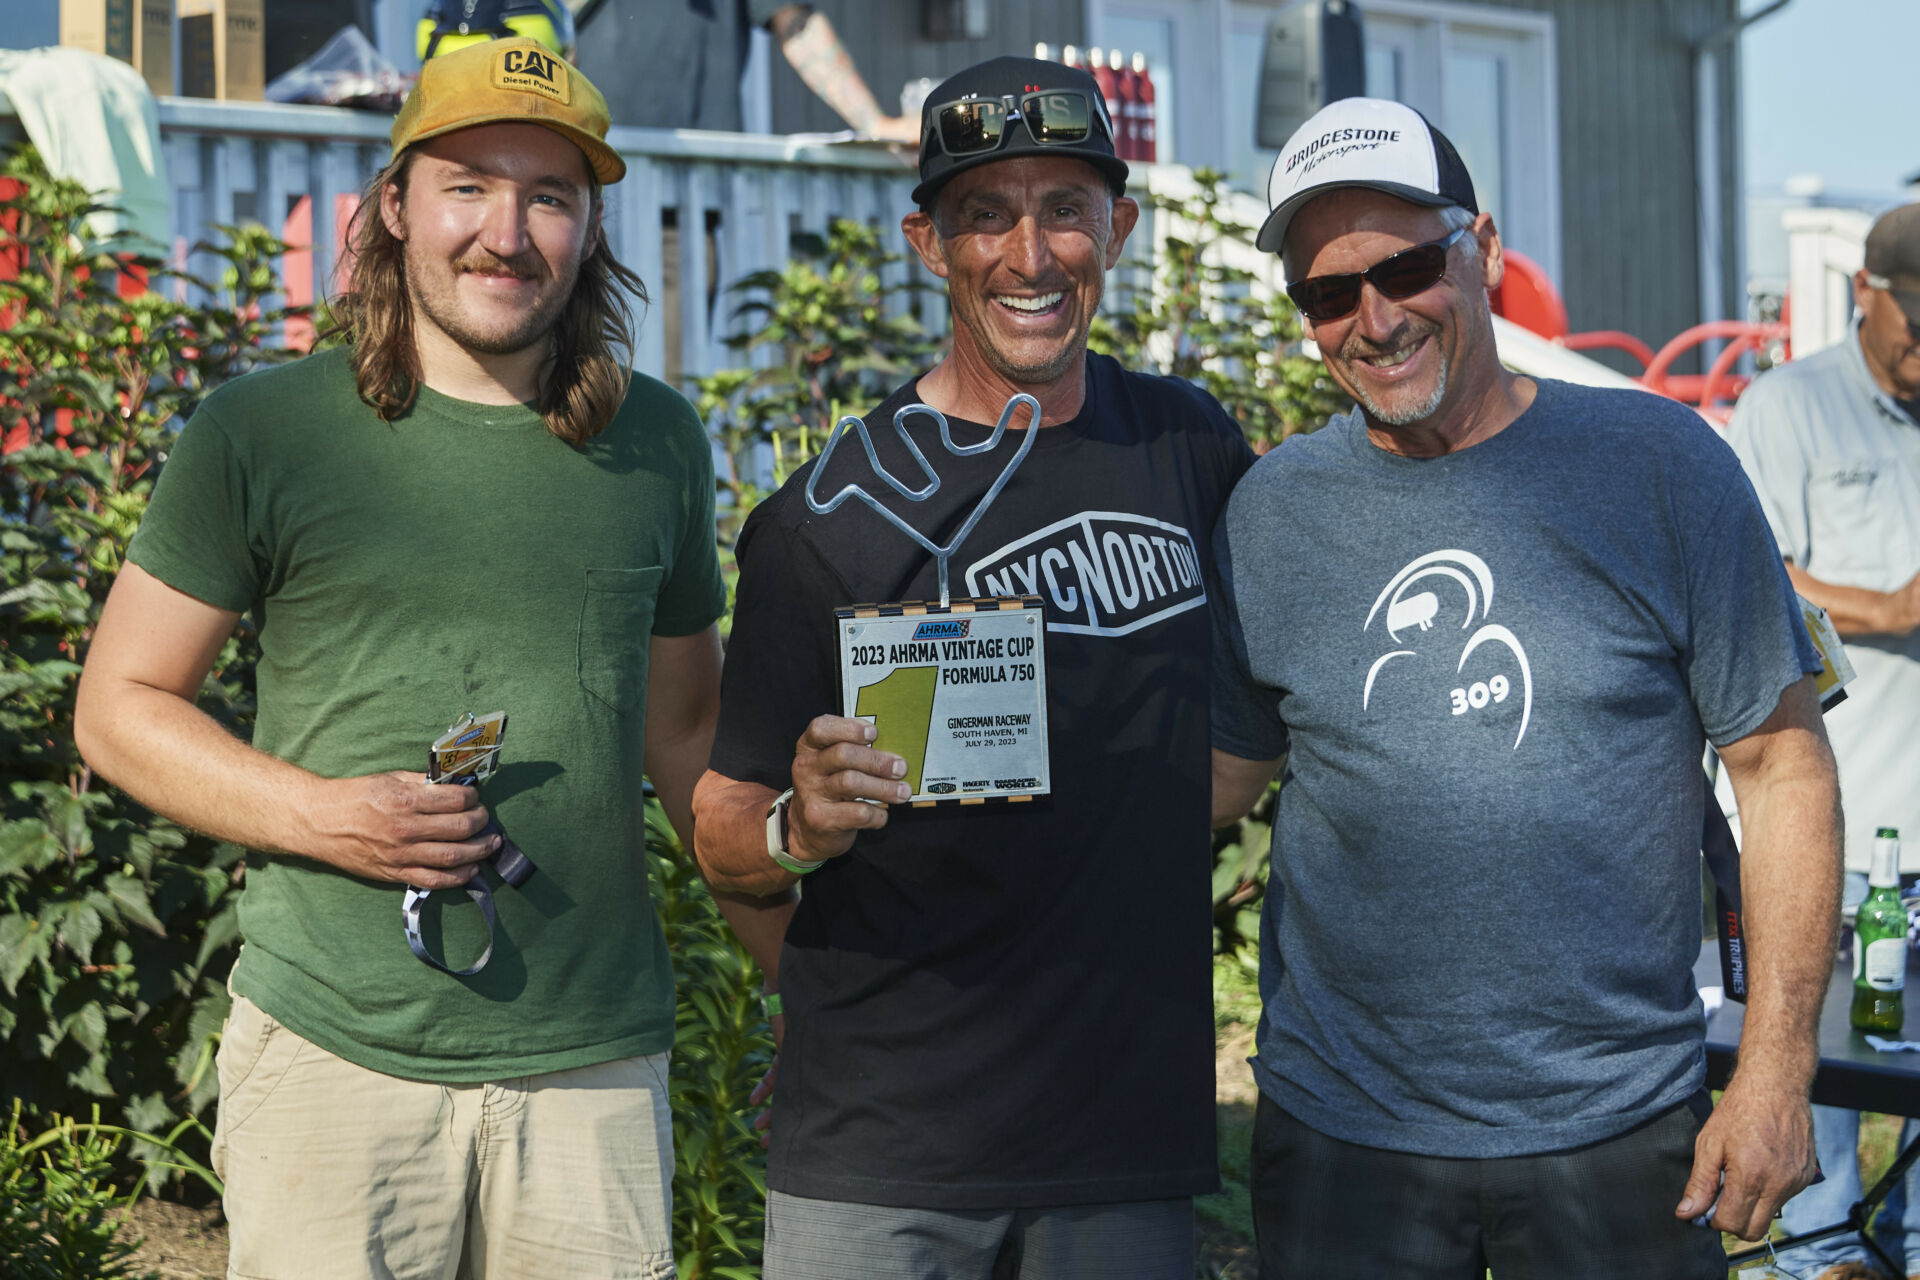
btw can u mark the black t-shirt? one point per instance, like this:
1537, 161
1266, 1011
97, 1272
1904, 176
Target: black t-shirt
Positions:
1007, 1006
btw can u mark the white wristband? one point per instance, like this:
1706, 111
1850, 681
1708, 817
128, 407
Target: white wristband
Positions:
777, 837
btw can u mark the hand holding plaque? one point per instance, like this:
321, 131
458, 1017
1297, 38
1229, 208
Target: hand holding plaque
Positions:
958, 688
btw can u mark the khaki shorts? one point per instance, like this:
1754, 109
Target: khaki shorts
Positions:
335, 1172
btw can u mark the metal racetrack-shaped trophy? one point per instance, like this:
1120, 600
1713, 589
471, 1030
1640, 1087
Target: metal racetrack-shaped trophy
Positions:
958, 687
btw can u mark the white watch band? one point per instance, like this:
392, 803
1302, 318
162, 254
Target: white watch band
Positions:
777, 837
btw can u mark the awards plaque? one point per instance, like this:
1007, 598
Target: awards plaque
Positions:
957, 687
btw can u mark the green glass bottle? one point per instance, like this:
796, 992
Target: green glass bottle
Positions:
1880, 942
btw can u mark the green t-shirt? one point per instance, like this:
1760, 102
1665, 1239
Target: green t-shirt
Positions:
460, 558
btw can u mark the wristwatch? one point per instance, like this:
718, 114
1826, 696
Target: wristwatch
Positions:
777, 837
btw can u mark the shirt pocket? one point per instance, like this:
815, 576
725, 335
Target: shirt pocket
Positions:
616, 628
1850, 520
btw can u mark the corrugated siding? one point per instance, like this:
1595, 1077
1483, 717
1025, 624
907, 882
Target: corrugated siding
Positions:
883, 37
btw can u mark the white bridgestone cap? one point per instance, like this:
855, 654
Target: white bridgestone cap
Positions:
1363, 142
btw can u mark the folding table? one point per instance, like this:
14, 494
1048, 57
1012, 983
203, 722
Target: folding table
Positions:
1852, 1074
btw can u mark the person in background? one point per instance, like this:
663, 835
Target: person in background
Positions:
1832, 444
448, 25
676, 64
1492, 622
471, 503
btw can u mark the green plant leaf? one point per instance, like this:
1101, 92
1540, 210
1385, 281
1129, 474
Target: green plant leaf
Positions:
80, 930
129, 894
26, 845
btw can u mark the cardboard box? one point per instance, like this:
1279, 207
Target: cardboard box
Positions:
223, 50
139, 32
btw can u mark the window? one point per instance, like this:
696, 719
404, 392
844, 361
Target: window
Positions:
1245, 163
1485, 76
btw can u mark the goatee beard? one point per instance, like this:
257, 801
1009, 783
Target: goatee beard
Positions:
1408, 415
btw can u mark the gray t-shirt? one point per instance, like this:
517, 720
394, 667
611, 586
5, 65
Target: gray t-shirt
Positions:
1497, 671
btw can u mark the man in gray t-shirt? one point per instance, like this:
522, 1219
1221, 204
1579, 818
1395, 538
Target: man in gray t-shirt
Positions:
1492, 622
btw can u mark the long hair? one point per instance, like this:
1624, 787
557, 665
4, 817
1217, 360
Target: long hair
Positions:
591, 361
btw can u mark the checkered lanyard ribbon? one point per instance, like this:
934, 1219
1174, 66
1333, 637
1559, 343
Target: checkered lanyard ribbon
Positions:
466, 755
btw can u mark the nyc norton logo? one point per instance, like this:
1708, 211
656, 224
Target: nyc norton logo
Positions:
1410, 614
532, 71
1103, 573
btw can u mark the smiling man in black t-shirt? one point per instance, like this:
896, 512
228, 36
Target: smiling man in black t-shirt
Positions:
998, 1043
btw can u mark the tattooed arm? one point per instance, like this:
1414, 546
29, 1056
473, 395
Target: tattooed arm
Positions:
810, 43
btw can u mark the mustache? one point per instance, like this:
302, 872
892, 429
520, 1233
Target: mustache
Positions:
525, 266
1017, 286
1358, 346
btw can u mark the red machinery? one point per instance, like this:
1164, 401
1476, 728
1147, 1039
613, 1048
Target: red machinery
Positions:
1528, 298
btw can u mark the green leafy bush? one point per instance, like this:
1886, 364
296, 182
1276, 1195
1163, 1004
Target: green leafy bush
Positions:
59, 1210
116, 927
722, 1047
1202, 318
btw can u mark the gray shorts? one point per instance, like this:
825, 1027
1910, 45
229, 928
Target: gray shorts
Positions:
835, 1240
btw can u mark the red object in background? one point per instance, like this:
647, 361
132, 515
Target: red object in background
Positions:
1527, 296
1109, 81
1126, 120
12, 253
1146, 147
130, 281
296, 270
1705, 391
1595, 339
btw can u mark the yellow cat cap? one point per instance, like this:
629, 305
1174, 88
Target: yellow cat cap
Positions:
509, 81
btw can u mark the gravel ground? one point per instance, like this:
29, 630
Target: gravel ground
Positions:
180, 1242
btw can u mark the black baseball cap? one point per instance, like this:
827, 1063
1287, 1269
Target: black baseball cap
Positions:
1364, 142
1000, 78
1893, 253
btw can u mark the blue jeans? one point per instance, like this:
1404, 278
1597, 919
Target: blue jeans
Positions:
1836, 1138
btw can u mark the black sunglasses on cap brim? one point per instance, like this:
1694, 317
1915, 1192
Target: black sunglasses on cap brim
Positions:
1411, 271
1054, 117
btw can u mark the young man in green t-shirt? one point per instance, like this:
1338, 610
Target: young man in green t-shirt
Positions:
467, 505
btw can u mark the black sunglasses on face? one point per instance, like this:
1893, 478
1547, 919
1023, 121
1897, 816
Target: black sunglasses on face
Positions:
1055, 117
1411, 271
